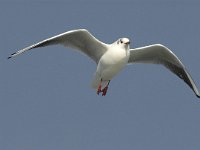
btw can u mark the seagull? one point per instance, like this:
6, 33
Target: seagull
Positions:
112, 58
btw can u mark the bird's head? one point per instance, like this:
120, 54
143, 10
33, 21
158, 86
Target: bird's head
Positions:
124, 42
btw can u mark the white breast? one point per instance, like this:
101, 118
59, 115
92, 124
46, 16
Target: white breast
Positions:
112, 62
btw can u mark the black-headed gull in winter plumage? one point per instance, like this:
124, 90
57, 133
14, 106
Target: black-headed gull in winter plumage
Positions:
111, 58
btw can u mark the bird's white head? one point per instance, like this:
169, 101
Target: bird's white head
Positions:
124, 42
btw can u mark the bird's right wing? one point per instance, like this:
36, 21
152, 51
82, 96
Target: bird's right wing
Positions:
79, 39
159, 54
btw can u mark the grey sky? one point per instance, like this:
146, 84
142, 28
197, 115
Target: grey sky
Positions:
45, 99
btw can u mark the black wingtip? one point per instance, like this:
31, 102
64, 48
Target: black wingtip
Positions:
11, 55
197, 94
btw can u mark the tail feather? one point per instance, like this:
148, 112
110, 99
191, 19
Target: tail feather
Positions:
96, 81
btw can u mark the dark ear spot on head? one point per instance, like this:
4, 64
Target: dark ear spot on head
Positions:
119, 41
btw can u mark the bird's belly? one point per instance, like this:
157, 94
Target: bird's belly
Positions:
108, 68
111, 71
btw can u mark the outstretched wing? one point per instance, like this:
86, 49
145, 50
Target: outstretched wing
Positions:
159, 54
79, 39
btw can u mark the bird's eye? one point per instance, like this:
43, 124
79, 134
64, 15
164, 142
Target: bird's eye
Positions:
121, 41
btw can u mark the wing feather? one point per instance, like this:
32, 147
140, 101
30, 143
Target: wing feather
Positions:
79, 39
159, 54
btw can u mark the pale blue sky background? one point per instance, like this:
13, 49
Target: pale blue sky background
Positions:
45, 99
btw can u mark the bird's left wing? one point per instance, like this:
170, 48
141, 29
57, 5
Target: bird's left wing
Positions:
159, 54
79, 39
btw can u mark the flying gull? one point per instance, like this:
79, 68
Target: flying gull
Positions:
111, 58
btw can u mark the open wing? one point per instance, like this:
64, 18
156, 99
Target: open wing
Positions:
159, 54
79, 39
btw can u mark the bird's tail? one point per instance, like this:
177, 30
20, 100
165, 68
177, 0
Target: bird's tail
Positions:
96, 80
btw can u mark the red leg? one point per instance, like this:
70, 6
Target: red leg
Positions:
104, 91
99, 87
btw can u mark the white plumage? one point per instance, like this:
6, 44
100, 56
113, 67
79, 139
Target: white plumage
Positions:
111, 58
